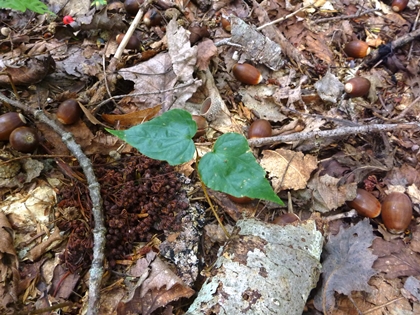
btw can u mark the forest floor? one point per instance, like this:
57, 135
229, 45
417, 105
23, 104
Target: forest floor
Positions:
162, 231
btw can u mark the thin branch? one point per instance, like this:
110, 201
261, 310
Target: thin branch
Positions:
340, 132
96, 270
284, 17
129, 33
343, 17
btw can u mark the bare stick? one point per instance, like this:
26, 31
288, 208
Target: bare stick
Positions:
344, 131
130, 32
284, 17
375, 56
96, 270
343, 17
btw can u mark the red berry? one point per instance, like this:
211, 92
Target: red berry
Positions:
67, 19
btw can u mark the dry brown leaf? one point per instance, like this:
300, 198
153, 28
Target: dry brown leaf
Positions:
132, 119
318, 45
54, 240
325, 193
160, 288
206, 51
396, 259
9, 264
288, 169
31, 71
63, 282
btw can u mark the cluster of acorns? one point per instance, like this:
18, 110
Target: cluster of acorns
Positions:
355, 87
396, 209
25, 139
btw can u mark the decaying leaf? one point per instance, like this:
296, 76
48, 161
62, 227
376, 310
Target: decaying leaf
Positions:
396, 259
155, 80
288, 169
28, 71
9, 264
326, 194
183, 56
347, 265
206, 51
132, 119
260, 99
160, 288
28, 210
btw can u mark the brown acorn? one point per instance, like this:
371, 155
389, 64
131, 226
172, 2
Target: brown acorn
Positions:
9, 122
240, 200
397, 211
247, 73
133, 43
152, 17
201, 125
357, 87
226, 24
260, 128
24, 139
132, 6
365, 204
357, 49
69, 112
286, 218
399, 5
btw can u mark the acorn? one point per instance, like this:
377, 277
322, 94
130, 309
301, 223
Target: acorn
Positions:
24, 139
247, 73
133, 43
152, 17
132, 6
356, 87
260, 128
240, 200
397, 211
365, 204
286, 218
201, 125
357, 49
9, 122
226, 24
399, 5
69, 112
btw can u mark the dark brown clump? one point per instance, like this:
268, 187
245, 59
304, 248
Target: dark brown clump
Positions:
141, 196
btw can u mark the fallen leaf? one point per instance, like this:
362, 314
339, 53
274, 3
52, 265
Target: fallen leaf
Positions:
132, 119
206, 51
326, 194
9, 264
161, 287
396, 259
288, 169
347, 265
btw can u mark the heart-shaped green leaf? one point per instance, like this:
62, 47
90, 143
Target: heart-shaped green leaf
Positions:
166, 138
232, 168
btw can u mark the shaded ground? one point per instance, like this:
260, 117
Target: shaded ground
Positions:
162, 239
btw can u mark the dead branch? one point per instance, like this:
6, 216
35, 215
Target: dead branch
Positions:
96, 270
340, 132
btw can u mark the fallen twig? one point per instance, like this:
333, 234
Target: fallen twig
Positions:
96, 270
344, 131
